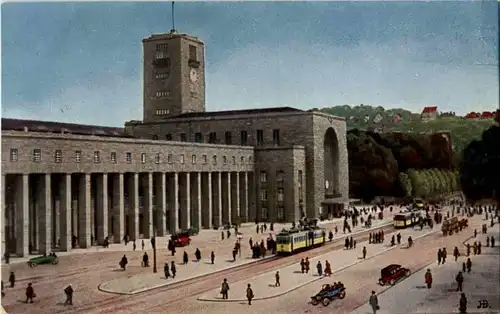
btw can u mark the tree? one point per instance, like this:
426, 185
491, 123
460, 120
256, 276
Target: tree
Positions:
405, 182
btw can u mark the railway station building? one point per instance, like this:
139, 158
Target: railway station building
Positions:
179, 167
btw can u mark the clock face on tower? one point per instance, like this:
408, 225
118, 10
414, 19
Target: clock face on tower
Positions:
193, 75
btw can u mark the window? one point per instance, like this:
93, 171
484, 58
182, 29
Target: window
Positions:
234, 160
183, 137
198, 138
157, 158
193, 53
263, 195
58, 156
260, 137
181, 158
229, 139
168, 137
97, 156
161, 75
128, 157
263, 177
78, 155
281, 213
242, 161
162, 112
13, 154
37, 155
224, 159
143, 158
204, 159
280, 174
113, 157
169, 158
244, 138
281, 195
214, 159
276, 137
155, 137
193, 159
161, 94
264, 214
161, 47
249, 160
212, 138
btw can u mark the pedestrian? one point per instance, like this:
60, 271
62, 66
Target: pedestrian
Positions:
460, 280
374, 302
492, 241
487, 241
69, 295
123, 262
185, 258
12, 279
30, 293
250, 242
456, 253
222, 235
398, 237
225, 290
346, 243
439, 256
212, 257
479, 248
166, 271
307, 265
142, 244
173, 269
444, 254
277, 279
469, 265
145, 260
336, 229
464, 267
370, 238
468, 249
134, 246
463, 304
330, 236
428, 278
354, 243
302, 266
249, 294
328, 269
319, 267
474, 248
393, 241
197, 254
364, 252
351, 243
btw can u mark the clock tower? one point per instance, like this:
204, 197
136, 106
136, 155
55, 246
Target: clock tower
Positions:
174, 76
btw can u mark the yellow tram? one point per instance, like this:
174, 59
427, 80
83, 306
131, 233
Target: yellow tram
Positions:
406, 219
293, 240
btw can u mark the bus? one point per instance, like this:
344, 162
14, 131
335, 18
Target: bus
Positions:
406, 219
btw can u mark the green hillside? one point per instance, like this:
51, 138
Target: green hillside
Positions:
462, 130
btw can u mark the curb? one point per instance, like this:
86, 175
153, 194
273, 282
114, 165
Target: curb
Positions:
315, 279
100, 288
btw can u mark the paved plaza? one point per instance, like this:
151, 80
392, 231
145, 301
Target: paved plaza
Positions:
292, 278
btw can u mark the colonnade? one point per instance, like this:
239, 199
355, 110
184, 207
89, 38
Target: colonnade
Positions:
59, 210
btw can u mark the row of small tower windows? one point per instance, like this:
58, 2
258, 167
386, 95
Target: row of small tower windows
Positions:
228, 136
58, 157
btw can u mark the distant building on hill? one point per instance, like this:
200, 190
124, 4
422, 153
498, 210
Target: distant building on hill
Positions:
483, 115
429, 113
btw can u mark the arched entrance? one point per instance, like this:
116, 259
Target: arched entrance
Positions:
331, 173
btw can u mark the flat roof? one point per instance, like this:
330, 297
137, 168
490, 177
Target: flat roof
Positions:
234, 112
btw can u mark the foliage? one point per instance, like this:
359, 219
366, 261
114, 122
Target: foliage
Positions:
463, 131
480, 167
431, 182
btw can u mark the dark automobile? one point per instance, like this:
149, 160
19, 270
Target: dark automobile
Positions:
46, 259
393, 273
328, 293
181, 239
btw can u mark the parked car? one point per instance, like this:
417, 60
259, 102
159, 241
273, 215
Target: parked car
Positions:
392, 274
181, 239
44, 259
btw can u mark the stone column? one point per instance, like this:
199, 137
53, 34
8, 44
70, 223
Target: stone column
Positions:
161, 204
173, 202
206, 204
84, 208
148, 206
65, 212
217, 199
235, 195
102, 208
22, 215
252, 208
226, 197
4, 216
244, 197
133, 208
195, 193
185, 200
57, 218
118, 208
44, 212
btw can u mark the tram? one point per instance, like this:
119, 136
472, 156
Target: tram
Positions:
293, 240
406, 219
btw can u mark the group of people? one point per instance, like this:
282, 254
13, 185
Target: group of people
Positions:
30, 291
249, 293
376, 237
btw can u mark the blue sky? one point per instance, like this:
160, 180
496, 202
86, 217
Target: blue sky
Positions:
81, 62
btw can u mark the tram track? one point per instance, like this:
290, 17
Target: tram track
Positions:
203, 283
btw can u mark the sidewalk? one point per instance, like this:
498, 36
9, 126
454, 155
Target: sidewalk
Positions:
292, 278
412, 296
490, 232
144, 282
